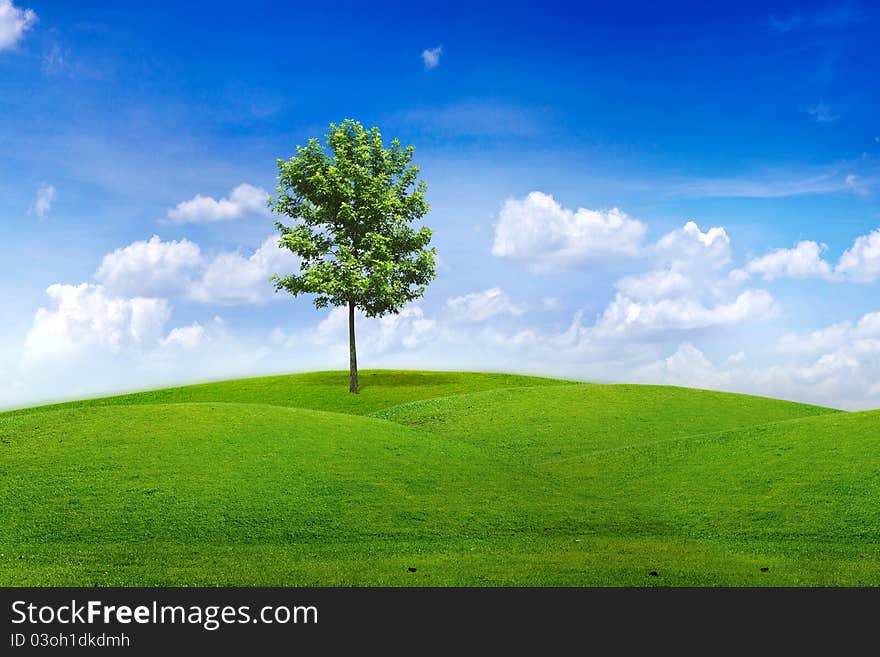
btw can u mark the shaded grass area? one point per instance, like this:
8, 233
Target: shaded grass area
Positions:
536, 485
560, 423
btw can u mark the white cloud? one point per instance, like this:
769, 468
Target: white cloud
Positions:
43, 202
656, 284
14, 22
687, 366
154, 268
831, 338
150, 268
231, 278
244, 200
691, 290
545, 236
861, 262
626, 317
187, 337
407, 330
686, 361
691, 265
431, 57
803, 261
87, 342
551, 303
837, 366
410, 328
480, 306
689, 247
86, 317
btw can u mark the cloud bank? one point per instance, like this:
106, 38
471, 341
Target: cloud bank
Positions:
154, 314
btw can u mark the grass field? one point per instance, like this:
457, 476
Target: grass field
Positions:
470, 479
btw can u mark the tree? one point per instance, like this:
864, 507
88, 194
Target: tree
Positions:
352, 232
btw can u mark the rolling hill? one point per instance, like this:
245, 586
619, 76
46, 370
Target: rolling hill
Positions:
438, 478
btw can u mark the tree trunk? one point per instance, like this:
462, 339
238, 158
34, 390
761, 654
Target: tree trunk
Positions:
352, 353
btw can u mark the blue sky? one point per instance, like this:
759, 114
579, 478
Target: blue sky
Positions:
619, 191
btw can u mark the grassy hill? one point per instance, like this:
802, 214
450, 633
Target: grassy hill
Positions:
470, 479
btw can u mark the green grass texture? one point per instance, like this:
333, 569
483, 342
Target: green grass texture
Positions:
438, 479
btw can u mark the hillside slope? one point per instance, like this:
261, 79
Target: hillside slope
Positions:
546, 484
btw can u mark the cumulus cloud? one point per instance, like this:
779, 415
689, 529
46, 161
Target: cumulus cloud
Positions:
480, 306
803, 261
83, 317
187, 337
195, 336
626, 317
431, 57
245, 200
831, 338
155, 268
14, 22
688, 367
90, 342
690, 263
690, 247
690, 290
838, 366
232, 278
860, 263
43, 202
407, 330
150, 268
542, 234
655, 284
117, 325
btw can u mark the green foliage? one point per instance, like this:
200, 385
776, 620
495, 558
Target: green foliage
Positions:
473, 479
353, 211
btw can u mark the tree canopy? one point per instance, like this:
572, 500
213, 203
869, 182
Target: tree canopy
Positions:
352, 209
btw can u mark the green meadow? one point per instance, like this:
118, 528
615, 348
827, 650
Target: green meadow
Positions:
438, 479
